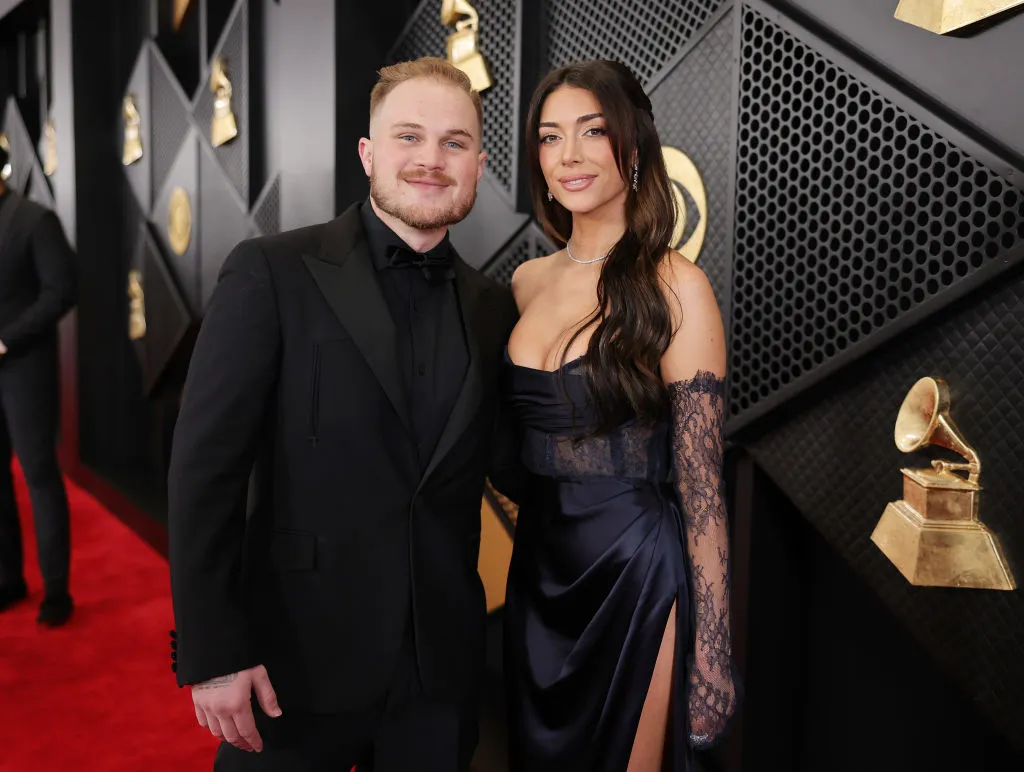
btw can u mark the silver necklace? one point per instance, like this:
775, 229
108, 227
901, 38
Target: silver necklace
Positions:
568, 251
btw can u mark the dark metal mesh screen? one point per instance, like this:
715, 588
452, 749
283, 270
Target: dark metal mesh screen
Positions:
849, 212
168, 119
267, 215
426, 36
530, 243
233, 156
836, 460
692, 110
643, 36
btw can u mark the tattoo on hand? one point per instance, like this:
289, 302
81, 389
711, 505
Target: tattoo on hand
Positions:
214, 683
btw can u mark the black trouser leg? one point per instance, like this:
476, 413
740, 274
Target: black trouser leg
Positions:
11, 568
29, 396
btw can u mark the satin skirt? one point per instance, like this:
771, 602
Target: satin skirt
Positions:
596, 566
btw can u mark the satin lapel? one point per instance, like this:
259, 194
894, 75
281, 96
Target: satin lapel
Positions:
466, 404
344, 273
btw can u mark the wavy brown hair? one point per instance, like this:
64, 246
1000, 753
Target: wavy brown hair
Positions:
633, 319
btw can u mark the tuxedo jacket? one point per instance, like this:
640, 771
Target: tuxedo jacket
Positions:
304, 530
37, 275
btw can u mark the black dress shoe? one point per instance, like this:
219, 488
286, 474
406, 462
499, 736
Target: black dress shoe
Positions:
55, 611
11, 594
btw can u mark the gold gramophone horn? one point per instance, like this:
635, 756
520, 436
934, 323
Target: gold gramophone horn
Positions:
924, 419
451, 10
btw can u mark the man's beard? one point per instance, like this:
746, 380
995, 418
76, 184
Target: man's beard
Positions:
423, 217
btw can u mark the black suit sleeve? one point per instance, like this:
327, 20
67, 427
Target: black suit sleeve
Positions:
224, 412
55, 267
507, 473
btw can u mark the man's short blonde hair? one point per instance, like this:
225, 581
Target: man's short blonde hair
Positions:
425, 67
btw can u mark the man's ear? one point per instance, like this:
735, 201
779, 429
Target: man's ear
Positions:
366, 154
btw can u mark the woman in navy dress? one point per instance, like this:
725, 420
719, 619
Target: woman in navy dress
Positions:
618, 653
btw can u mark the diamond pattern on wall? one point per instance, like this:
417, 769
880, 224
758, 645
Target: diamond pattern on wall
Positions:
184, 174
234, 155
643, 36
693, 112
267, 212
168, 118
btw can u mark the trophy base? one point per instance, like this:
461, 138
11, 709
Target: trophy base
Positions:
941, 554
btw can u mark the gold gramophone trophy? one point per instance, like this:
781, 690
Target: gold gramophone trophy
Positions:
933, 535
132, 151
463, 44
223, 127
136, 306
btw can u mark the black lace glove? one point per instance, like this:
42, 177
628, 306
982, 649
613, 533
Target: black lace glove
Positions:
698, 407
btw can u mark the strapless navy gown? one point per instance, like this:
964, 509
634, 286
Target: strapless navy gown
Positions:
598, 561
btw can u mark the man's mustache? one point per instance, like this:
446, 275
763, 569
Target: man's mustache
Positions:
440, 179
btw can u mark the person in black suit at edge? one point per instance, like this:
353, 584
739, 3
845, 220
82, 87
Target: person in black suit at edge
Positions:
353, 367
37, 287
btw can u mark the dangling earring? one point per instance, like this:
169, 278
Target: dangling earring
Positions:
636, 176
549, 194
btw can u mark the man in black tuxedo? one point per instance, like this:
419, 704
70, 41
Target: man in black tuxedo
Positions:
353, 366
37, 287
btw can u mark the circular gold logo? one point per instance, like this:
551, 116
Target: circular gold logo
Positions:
179, 221
684, 175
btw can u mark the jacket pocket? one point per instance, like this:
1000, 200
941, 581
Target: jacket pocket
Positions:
314, 402
292, 550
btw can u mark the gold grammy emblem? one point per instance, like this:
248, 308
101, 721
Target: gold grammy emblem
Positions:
463, 44
179, 221
132, 137
136, 306
933, 535
223, 127
683, 173
49, 148
7, 170
944, 16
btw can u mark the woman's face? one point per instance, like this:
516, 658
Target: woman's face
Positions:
576, 155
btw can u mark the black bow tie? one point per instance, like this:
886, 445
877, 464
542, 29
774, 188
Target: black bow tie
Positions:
436, 264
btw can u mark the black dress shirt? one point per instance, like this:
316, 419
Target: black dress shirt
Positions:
432, 351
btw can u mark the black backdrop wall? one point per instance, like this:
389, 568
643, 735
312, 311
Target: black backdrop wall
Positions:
864, 227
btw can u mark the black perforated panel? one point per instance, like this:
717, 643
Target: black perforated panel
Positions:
168, 119
267, 215
426, 36
693, 112
644, 36
836, 459
849, 212
233, 156
530, 243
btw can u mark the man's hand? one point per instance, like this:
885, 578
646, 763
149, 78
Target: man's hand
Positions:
3, 348
223, 706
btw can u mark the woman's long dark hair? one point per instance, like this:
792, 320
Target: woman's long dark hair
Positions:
633, 318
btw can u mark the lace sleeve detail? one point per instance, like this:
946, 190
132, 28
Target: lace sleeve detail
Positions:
697, 445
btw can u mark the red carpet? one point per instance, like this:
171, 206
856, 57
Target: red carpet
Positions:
97, 694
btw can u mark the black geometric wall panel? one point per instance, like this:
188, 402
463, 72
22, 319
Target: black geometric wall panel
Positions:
643, 36
22, 151
224, 221
39, 188
184, 173
169, 118
849, 214
233, 47
836, 460
528, 244
140, 173
168, 317
426, 36
693, 112
267, 210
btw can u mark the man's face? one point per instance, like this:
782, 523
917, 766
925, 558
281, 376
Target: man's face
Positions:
423, 157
